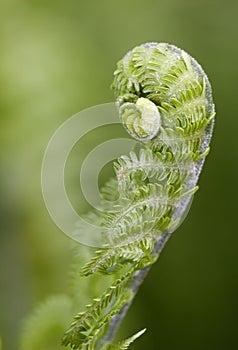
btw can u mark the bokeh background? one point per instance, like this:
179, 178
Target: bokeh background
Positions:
57, 58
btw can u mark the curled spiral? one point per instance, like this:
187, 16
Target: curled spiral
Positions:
141, 119
170, 80
165, 102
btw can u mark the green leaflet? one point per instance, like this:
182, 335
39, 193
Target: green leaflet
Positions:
124, 344
110, 260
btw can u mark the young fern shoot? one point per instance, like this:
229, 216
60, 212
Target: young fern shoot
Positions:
165, 102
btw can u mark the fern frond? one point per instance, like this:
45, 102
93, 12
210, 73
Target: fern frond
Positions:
164, 101
88, 325
125, 250
134, 170
152, 201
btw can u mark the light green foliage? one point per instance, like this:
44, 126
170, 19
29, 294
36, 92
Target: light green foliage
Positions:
165, 102
89, 326
124, 344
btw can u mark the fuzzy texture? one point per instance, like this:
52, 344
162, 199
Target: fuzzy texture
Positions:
165, 102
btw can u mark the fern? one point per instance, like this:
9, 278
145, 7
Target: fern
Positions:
165, 102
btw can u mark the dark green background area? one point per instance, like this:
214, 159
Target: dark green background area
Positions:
57, 58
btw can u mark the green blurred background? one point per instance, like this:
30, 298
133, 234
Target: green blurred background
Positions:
57, 58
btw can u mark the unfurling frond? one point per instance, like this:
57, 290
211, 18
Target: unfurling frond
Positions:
164, 101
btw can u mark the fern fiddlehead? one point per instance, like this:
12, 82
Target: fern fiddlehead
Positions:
165, 102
